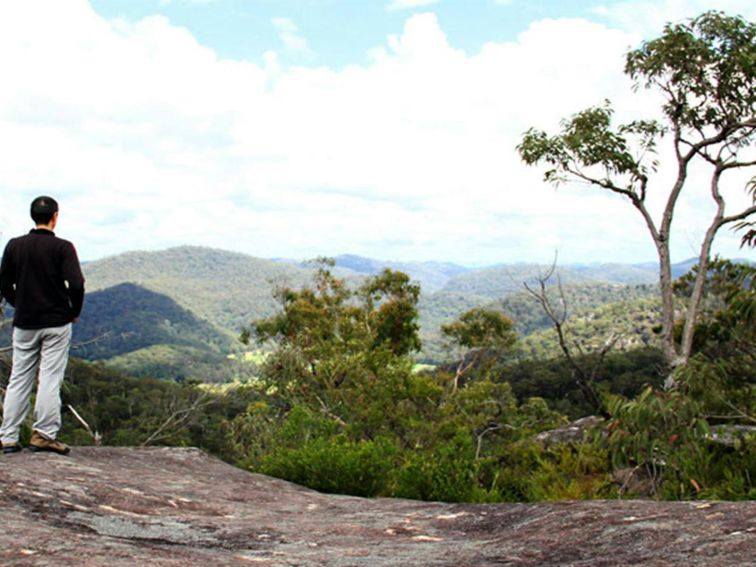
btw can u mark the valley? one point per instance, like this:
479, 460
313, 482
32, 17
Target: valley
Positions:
178, 313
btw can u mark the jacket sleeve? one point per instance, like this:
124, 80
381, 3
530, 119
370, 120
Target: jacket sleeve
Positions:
8, 276
74, 278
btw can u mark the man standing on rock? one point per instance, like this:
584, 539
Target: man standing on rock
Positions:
41, 278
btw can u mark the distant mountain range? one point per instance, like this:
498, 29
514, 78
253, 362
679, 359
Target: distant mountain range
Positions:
505, 278
432, 276
168, 310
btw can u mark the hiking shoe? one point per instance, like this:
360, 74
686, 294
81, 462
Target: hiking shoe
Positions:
11, 448
39, 443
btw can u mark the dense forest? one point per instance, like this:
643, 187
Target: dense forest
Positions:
340, 405
537, 383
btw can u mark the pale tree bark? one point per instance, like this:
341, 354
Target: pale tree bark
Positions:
704, 70
725, 142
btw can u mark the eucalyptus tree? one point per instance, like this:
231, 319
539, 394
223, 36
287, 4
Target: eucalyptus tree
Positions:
483, 335
705, 71
333, 344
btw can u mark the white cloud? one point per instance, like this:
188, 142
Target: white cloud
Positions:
648, 17
289, 34
150, 140
408, 4
285, 25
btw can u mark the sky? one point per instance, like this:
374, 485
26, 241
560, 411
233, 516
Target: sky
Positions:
304, 128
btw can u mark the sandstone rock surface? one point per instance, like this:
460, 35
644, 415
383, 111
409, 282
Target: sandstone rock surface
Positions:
168, 506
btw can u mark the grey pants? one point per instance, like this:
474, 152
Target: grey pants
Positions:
46, 351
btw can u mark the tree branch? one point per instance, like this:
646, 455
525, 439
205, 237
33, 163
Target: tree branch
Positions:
720, 136
96, 437
585, 381
178, 418
737, 164
94, 340
740, 216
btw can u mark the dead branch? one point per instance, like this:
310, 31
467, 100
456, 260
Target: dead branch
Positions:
94, 340
740, 414
179, 417
490, 429
96, 437
327, 411
75, 345
463, 366
585, 375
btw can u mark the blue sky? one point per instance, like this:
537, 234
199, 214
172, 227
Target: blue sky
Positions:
320, 127
339, 32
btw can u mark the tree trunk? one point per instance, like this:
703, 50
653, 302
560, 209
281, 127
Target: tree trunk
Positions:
669, 348
703, 267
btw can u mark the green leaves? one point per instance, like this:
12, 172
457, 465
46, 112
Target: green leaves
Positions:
588, 149
382, 313
390, 301
481, 328
666, 440
705, 72
589, 139
706, 68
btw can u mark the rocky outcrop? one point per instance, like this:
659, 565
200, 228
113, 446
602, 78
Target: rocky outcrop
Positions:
167, 506
574, 432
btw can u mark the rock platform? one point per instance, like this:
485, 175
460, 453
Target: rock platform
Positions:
172, 506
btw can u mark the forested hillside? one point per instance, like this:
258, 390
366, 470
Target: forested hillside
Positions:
149, 334
338, 405
178, 313
225, 288
128, 317
582, 302
432, 276
225, 291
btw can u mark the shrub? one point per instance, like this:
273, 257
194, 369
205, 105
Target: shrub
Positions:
335, 465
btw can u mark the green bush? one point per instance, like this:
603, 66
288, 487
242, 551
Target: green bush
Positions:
335, 465
665, 436
531, 472
448, 473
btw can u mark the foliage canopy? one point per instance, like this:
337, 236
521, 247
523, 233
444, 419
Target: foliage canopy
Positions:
705, 70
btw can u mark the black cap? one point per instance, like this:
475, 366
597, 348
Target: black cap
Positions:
44, 206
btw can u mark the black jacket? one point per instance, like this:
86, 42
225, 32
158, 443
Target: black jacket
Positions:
41, 278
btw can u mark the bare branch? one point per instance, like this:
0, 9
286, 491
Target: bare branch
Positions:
95, 434
329, 413
603, 183
94, 340
740, 413
585, 380
737, 164
462, 369
740, 216
178, 418
76, 345
490, 429
719, 137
